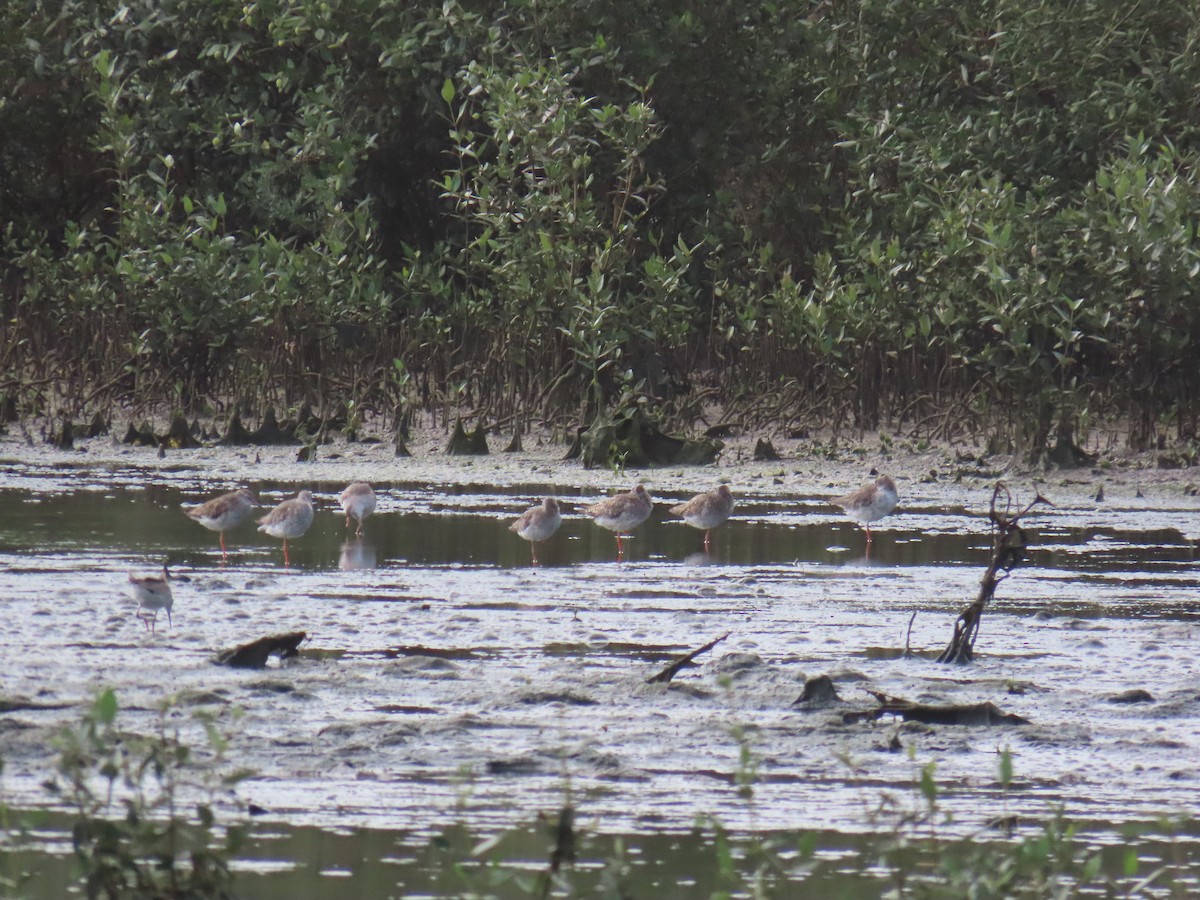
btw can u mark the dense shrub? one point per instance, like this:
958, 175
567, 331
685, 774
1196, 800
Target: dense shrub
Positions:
909, 213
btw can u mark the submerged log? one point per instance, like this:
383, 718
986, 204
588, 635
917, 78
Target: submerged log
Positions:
255, 654
1008, 550
935, 714
672, 670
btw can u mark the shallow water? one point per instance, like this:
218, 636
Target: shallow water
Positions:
448, 681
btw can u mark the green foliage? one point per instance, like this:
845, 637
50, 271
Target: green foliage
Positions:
131, 835
869, 214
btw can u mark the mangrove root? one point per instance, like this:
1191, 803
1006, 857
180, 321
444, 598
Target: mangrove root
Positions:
1008, 550
935, 714
514, 446
764, 450
179, 436
670, 671
254, 655
64, 438
463, 444
630, 439
236, 434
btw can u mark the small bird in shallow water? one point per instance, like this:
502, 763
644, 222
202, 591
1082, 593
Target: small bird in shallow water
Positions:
152, 593
707, 510
289, 519
358, 502
622, 513
871, 502
538, 523
224, 512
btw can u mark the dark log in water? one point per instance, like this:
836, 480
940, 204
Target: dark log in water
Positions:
255, 654
935, 714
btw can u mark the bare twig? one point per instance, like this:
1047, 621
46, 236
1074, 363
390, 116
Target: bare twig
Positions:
1008, 550
670, 671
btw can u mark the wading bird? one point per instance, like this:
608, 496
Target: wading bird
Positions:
871, 502
152, 593
289, 519
537, 524
224, 512
622, 513
358, 502
706, 511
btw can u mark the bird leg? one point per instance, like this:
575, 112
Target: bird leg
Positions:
286, 560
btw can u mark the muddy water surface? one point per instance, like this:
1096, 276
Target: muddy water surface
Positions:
447, 681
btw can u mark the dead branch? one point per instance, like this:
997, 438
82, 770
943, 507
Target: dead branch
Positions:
1008, 550
935, 714
670, 671
254, 655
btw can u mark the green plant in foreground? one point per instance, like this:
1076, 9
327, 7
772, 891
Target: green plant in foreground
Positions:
132, 836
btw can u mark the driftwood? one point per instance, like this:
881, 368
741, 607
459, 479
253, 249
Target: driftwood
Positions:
935, 714
672, 670
1008, 550
254, 655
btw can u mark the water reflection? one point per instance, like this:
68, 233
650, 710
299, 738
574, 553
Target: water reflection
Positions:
428, 528
279, 861
357, 553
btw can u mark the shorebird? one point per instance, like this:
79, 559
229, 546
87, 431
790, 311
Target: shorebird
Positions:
871, 502
622, 513
152, 592
289, 519
707, 510
358, 502
224, 512
537, 524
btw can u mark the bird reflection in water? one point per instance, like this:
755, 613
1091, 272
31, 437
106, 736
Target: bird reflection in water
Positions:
357, 553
